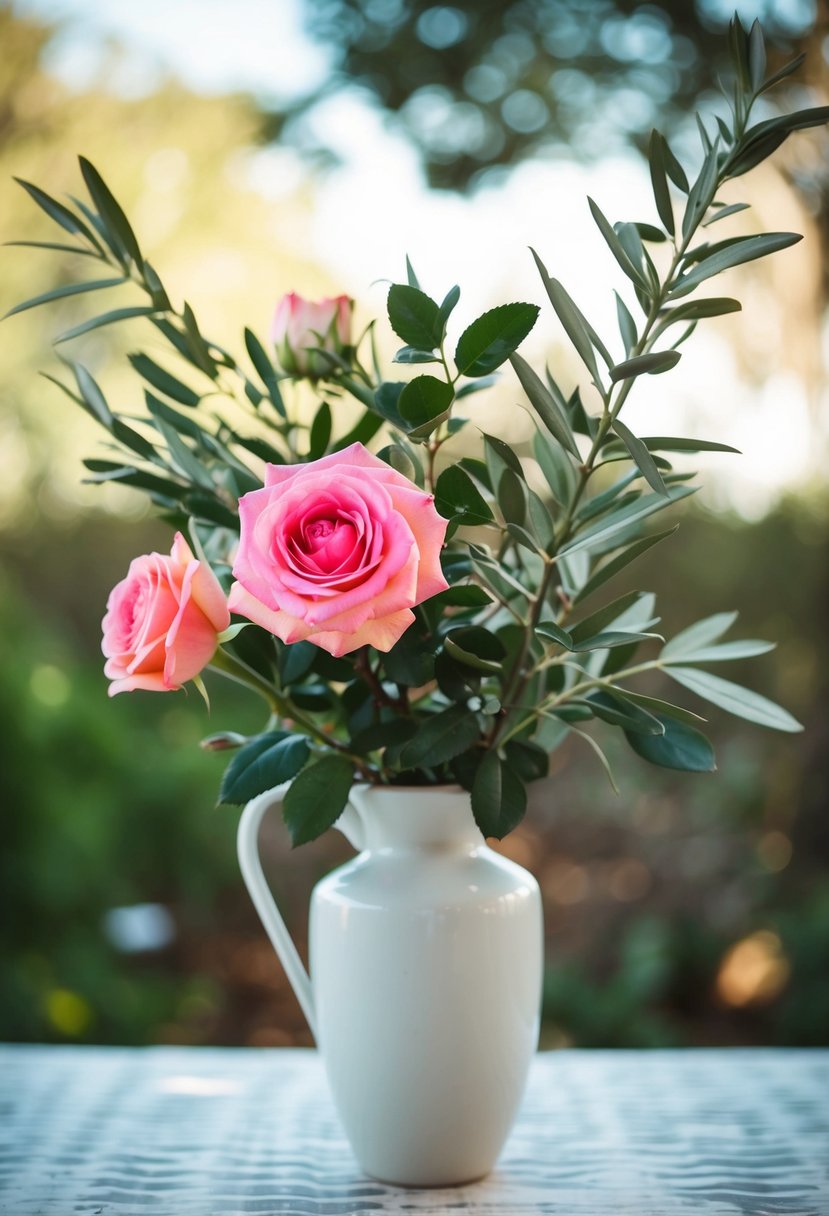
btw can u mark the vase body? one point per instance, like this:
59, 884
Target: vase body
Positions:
426, 965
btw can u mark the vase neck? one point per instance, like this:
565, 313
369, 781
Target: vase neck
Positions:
410, 817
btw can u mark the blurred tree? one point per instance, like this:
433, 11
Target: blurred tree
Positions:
482, 84
651, 898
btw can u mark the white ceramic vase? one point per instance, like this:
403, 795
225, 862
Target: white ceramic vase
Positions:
424, 996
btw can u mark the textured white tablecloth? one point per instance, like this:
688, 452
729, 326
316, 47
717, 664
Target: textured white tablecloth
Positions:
212, 1132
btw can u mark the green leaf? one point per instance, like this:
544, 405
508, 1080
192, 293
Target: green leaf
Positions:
701, 633
93, 397
59, 293
107, 318
666, 443
702, 190
529, 761
659, 181
500, 456
363, 431
615, 708
52, 245
627, 325
399, 460
615, 246
110, 211
468, 659
610, 639
738, 46
523, 537
411, 661
554, 633
179, 422
447, 307
106, 241
162, 380
756, 56
641, 456
598, 504
155, 287
743, 249
545, 404
681, 747
556, 466
465, 595
457, 495
655, 706
382, 734
262, 764
745, 648
196, 344
160, 489
132, 439
410, 354
320, 432
539, 520
317, 798
592, 744
414, 317
492, 338
184, 458
697, 310
735, 699
575, 324
61, 215
723, 212
650, 364
673, 168
478, 641
782, 73
265, 369
424, 403
411, 277
618, 563
645, 232
441, 737
622, 519
606, 615
499, 800
511, 497
295, 661
385, 401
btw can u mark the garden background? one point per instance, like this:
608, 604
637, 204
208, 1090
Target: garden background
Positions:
265, 148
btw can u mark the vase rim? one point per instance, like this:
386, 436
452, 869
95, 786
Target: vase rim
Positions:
448, 787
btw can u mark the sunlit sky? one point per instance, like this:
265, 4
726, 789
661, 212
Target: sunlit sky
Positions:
376, 208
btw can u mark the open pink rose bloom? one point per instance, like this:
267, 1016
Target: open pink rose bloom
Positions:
337, 552
162, 621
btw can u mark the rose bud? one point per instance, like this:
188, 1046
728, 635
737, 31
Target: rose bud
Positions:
225, 741
337, 552
162, 621
301, 328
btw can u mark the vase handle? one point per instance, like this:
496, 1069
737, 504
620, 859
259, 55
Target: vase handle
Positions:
247, 845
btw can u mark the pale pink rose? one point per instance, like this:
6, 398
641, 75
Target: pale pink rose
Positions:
337, 552
301, 325
162, 621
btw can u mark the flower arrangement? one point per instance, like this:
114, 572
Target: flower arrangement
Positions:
427, 611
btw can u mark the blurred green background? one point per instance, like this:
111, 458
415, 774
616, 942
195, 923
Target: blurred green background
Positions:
689, 910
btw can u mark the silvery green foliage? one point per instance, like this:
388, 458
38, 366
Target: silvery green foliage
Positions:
521, 650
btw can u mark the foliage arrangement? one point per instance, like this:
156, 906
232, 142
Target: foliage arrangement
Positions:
427, 613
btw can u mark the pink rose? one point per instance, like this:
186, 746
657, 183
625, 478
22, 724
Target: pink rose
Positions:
162, 620
301, 325
337, 552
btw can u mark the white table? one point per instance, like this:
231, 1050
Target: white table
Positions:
214, 1132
